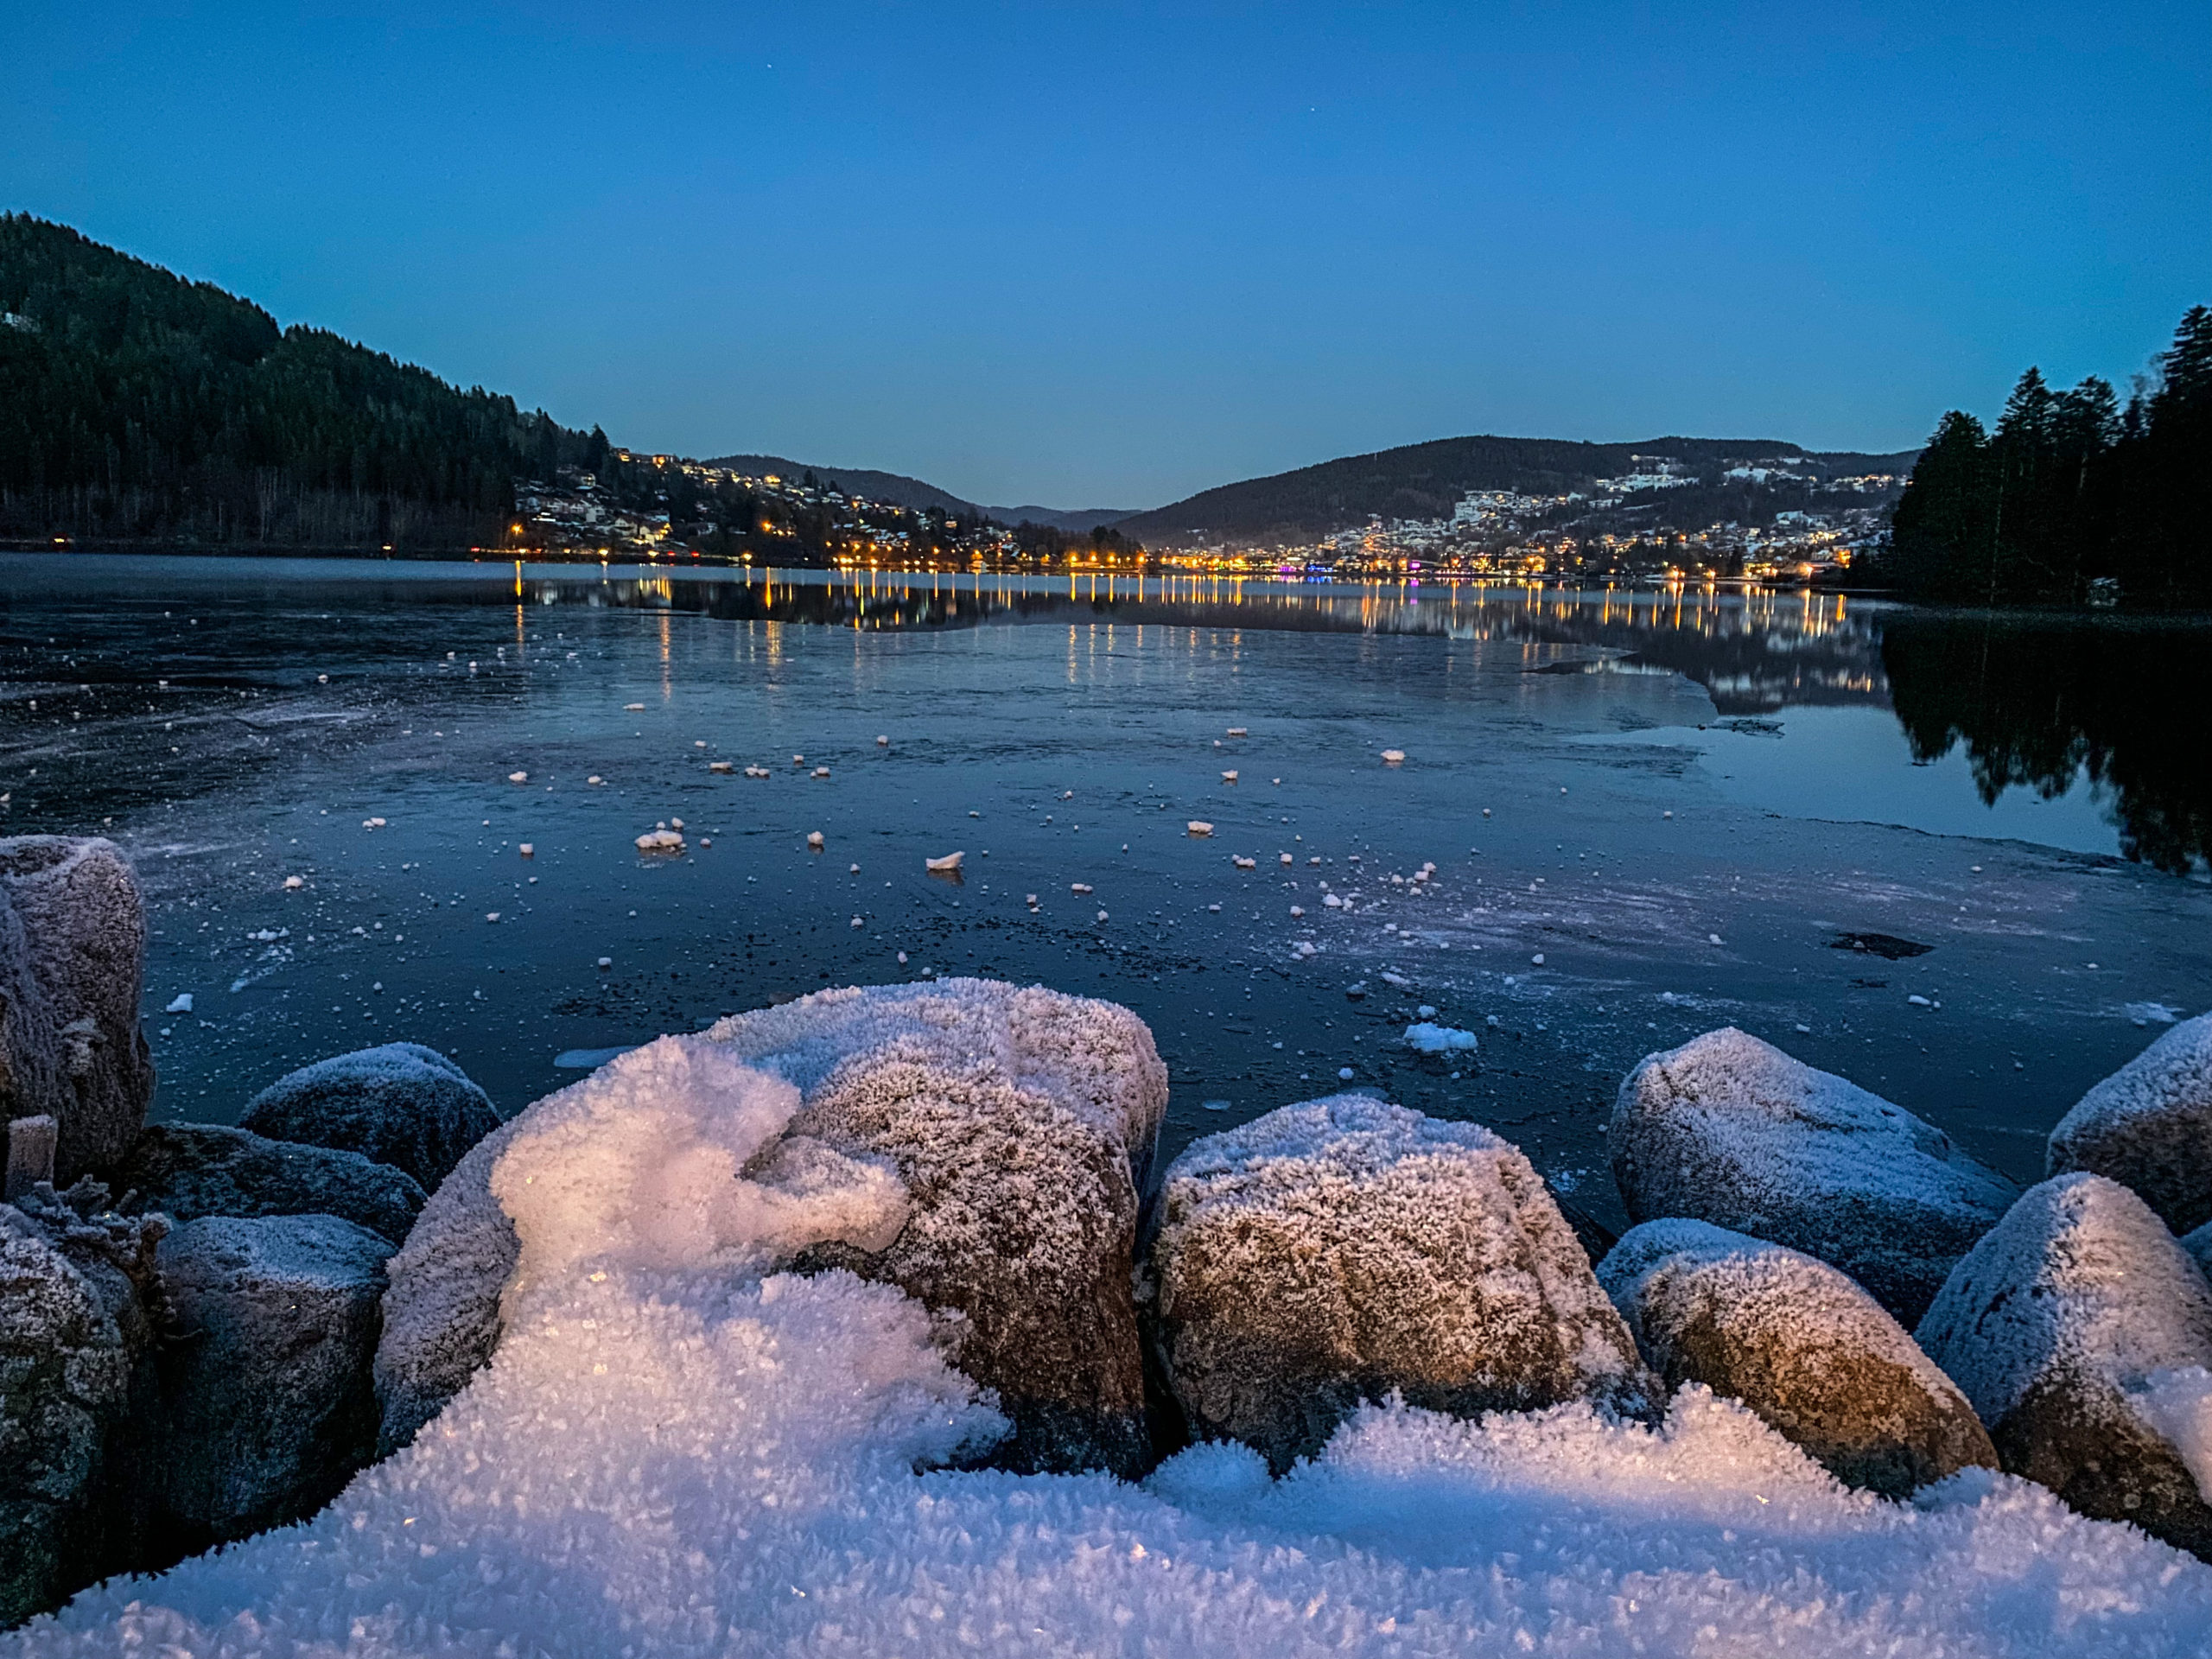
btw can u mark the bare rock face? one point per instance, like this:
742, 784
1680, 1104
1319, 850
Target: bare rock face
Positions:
1731, 1130
76, 1381
1022, 1123
1814, 1355
267, 1407
2149, 1127
72, 950
398, 1103
188, 1171
2081, 1332
1333, 1251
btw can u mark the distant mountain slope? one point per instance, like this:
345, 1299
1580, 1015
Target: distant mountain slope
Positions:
894, 489
135, 404
1076, 521
1424, 481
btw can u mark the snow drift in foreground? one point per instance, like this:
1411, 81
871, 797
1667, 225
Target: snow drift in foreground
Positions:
679, 1450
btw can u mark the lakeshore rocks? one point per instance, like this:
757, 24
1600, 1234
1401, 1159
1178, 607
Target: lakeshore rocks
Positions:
188, 1171
1731, 1130
1336, 1250
267, 1408
2081, 1332
1022, 1124
2149, 1127
398, 1103
72, 943
1018, 1124
76, 1383
1797, 1341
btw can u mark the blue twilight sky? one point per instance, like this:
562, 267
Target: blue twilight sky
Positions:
1111, 254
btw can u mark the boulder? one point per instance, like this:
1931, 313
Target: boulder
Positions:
1334, 1251
1019, 1124
2199, 1246
72, 949
398, 1103
76, 1383
188, 1171
267, 1405
1820, 1360
2149, 1127
2081, 1332
1731, 1130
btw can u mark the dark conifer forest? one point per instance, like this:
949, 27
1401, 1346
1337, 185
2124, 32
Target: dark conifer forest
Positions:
136, 406
2073, 498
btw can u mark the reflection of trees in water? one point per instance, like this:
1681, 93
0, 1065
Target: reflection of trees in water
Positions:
2037, 702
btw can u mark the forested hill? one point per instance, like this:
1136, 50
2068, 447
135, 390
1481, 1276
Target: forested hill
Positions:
1424, 481
135, 405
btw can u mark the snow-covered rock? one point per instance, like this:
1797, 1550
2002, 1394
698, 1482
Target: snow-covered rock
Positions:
1011, 1126
1337, 1250
1801, 1344
1731, 1130
76, 1379
678, 1451
1023, 1123
267, 1408
190, 1169
72, 950
2082, 1332
2149, 1127
399, 1103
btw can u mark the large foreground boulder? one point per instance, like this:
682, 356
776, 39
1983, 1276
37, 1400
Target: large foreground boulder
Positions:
72, 949
2081, 1332
1334, 1251
76, 1383
2149, 1127
190, 1169
1793, 1339
267, 1405
1731, 1130
1023, 1124
1010, 1124
398, 1103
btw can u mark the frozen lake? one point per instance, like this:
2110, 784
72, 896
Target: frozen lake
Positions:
1647, 816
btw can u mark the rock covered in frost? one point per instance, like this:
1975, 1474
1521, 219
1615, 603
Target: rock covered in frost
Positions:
399, 1103
1731, 1130
267, 1406
1023, 1124
72, 950
1798, 1342
675, 1147
1337, 1250
190, 1169
76, 1381
2149, 1127
2082, 1332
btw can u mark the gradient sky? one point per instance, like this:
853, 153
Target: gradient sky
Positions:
1111, 254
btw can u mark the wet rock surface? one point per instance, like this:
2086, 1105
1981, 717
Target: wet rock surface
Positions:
1731, 1130
188, 1171
72, 947
1334, 1251
267, 1408
1801, 1344
2081, 1332
2149, 1127
398, 1103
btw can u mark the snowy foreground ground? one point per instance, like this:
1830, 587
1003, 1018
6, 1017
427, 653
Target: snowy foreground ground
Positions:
679, 1450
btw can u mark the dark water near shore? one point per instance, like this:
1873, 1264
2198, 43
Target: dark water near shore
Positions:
1678, 803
